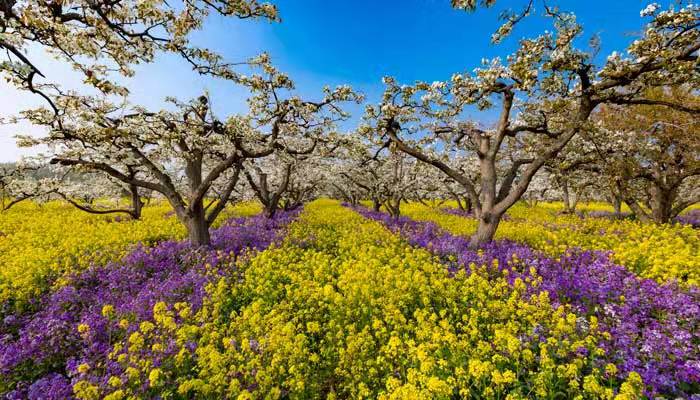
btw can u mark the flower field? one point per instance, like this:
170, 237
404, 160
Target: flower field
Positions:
653, 328
41, 244
340, 302
660, 252
338, 200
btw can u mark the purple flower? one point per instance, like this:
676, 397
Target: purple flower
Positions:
609, 215
691, 218
655, 328
40, 351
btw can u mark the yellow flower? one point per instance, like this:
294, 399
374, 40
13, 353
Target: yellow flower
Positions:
116, 395
503, 378
83, 328
313, 327
114, 381
83, 368
132, 373
155, 377
611, 369
632, 388
146, 326
438, 386
85, 390
108, 311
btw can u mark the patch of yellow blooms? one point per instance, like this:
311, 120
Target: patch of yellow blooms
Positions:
343, 308
660, 252
40, 244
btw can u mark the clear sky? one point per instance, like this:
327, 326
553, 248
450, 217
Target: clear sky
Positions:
354, 42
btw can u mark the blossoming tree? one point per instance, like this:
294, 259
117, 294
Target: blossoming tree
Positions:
98, 38
17, 184
285, 180
546, 93
181, 154
651, 154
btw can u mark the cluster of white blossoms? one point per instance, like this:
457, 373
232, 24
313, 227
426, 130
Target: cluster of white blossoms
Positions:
649, 10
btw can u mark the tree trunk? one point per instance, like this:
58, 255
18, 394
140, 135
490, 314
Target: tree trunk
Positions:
393, 206
488, 224
617, 204
565, 197
574, 202
376, 205
292, 205
136, 203
637, 210
198, 229
468, 206
195, 218
647, 199
271, 208
661, 205
459, 203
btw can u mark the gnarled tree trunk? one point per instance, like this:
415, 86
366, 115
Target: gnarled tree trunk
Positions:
485, 231
376, 204
136, 202
270, 200
197, 227
393, 206
662, 204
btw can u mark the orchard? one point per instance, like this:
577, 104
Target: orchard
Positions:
524, 227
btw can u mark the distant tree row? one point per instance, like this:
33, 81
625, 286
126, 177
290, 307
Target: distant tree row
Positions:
568, 127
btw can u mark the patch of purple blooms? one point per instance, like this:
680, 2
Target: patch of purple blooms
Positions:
654, 328
40, 352
609, 215
457, 211
691, 218
464, 213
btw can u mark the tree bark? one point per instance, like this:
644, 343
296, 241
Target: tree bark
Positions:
270, 200
574, 202
136, 202
198, 228
468, 207
376, 204
662, 204
271, 209
617, 204
565, 197
488, 224
195, 217
393, 206
637, 210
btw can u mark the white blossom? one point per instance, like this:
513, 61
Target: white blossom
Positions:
649, 10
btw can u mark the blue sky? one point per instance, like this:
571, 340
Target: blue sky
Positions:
360, 41
355, 42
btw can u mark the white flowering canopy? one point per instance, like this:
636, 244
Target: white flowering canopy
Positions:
546, 92
101, 37
185, 151
651, 154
